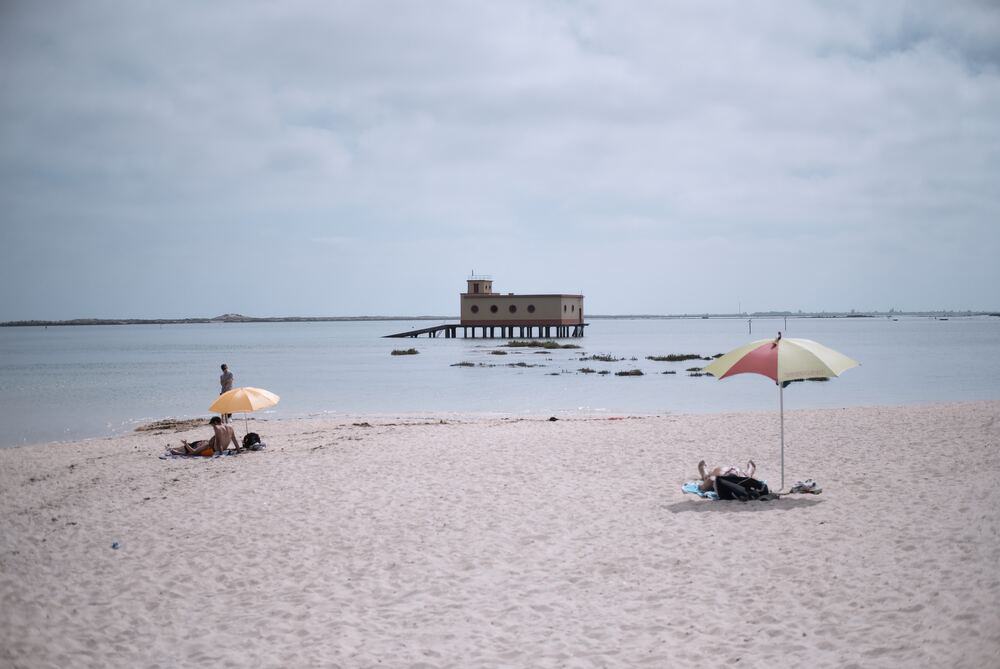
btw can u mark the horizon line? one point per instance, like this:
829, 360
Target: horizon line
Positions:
240, 318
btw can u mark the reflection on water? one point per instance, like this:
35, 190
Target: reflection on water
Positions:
69, 382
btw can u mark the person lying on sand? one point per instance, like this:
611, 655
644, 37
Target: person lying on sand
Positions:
708, 476
200, 447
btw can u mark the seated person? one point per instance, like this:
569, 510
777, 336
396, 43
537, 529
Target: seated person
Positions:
708, 476
224, 435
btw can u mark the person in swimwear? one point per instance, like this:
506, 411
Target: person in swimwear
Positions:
222, 437
708, 476
200, 447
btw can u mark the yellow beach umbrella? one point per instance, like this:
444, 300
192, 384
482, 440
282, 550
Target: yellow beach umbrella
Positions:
244, 400
782, 360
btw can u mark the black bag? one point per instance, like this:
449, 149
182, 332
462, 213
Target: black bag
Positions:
251, 440
738, 487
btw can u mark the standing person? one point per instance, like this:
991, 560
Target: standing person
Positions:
226, 381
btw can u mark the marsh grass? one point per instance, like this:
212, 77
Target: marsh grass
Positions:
629, 372
601, 357
405, 351
534, 343
674, 357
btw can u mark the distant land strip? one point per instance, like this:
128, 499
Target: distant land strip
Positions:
225, 318
239, 318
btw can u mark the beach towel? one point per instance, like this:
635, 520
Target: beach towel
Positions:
693, 488
762, 491
175, 456
259, 446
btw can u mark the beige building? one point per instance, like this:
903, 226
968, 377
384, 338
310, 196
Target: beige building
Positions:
502, 315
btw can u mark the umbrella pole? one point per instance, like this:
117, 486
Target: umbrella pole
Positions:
781, 403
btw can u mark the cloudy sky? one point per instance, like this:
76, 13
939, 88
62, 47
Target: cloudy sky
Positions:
356, 158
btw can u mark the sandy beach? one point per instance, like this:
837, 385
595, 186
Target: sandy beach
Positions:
490, 541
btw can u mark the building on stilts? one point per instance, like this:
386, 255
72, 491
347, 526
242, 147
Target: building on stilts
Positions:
489, 315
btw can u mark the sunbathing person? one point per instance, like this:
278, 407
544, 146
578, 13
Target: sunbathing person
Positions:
708, 476
200, 447
224, 435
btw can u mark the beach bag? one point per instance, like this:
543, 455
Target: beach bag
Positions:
739, 487
251, 441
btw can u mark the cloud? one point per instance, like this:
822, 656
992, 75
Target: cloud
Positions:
522, 136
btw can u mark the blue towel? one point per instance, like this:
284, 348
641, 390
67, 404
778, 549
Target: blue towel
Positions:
692, 487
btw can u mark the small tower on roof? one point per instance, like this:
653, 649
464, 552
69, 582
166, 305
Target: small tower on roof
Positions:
479, 284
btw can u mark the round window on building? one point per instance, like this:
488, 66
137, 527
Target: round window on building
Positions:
512, 308
531, 308
564, 307
475, 308
572, 307
493, 308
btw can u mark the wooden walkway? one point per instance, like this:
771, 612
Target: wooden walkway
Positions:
448, 330
497, 331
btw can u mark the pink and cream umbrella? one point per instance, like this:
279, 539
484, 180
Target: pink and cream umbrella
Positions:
783, 360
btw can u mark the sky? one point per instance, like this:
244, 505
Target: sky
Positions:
347, 158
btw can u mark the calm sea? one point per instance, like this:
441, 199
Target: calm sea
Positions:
61, 383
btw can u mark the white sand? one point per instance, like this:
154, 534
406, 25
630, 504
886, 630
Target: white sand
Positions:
486, 542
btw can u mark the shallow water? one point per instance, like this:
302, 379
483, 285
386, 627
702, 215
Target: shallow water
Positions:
62, 383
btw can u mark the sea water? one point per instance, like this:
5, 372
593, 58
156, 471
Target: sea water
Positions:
61, 383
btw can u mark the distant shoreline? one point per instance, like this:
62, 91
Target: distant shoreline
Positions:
238, 318
218, 319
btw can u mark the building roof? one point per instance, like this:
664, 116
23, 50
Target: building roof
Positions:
520, 295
